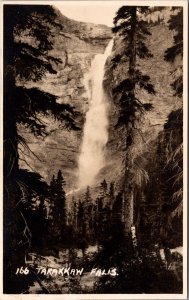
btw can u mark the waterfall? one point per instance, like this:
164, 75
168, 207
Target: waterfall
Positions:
95, 135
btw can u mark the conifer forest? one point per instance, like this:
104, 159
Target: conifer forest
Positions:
92, 150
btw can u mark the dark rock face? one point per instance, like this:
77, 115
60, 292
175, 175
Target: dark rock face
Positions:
76, 45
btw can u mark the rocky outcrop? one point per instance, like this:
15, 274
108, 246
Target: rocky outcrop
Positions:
76, 45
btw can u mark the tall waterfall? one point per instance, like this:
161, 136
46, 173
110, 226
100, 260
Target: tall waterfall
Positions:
95, 136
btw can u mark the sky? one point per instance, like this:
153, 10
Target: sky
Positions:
95, 12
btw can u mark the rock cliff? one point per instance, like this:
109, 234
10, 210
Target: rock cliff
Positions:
76, 45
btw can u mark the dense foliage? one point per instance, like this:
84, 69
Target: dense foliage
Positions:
28, 38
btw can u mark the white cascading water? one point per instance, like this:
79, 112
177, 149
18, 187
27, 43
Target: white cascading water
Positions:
95, 135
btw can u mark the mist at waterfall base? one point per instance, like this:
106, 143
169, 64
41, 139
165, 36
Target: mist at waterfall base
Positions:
95, 133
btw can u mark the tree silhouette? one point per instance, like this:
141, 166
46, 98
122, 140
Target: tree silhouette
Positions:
133, 30
61, 197
173, 128
57, 207
28, 61
28, 38
103, 188
112, 192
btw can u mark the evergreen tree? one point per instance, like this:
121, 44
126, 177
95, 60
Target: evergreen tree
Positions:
81, 219
172, 179
87, 196
111, 194
133, 29
28, 38
118, 208
58, 206
88, 211
74, 213
61, 198
103, 188
37, 222
173, 129
99, 205
28, 61
112, 191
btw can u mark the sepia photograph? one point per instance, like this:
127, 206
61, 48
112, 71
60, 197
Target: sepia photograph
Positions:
94, 149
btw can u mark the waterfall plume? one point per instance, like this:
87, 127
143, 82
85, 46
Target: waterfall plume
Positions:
95, 134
